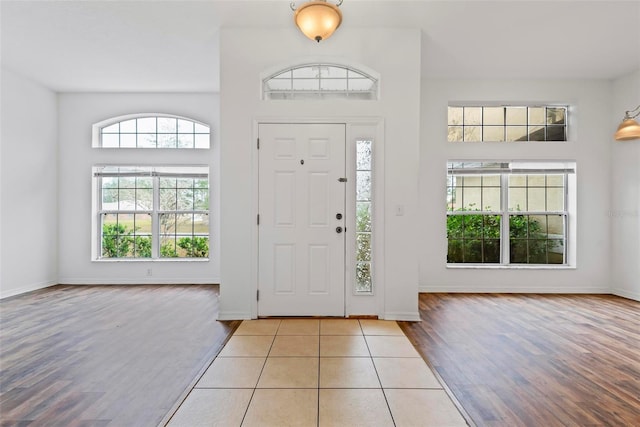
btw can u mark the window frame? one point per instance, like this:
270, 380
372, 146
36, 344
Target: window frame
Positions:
97, 132
156, 173
292, 93
563, 213
527, 125
568, 213
372, 239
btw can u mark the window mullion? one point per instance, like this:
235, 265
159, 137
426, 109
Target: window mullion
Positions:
100, 216
504, 229
155, 220
566, 218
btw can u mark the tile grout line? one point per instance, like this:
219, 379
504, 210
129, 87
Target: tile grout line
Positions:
375, 368
443, 385
193, 385
319, 336
259, 376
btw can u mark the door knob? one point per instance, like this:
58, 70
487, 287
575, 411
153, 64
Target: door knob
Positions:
338, 229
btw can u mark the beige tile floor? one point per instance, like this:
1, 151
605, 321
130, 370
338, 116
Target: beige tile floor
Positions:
318, 372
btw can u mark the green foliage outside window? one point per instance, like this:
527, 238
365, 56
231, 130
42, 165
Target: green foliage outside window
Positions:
363, 247
118, 241
195, 247
168, 250
187, 247
143, 246
363, 217
475, 238
529, 242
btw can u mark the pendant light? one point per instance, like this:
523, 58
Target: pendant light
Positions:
317, 19
629, 128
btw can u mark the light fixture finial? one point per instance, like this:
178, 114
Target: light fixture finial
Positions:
317, 19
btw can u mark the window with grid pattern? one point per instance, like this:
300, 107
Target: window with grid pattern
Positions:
154, 132
152, 212
364, 282
507, 212
506, 123
320, 81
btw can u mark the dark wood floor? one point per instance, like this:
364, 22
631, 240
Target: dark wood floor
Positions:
124, 355
98, 355
535, 360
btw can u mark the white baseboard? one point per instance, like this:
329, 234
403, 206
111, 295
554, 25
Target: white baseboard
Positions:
28, 288
626, 294
234, 315
153, 280
406, 316
511, 290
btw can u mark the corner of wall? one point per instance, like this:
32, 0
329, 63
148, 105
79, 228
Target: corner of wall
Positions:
29, 156
625, 195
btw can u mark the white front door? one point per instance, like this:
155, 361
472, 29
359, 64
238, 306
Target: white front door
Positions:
301, 237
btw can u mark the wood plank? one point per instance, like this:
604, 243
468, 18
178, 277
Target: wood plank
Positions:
98, 355
533, 360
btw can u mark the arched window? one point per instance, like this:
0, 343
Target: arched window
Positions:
320, 81
151, 131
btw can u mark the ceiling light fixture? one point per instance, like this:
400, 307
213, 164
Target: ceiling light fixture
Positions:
317, 19
629, 128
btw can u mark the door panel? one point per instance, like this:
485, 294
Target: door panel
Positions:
284, 268
301, 255
318, 199
284, 198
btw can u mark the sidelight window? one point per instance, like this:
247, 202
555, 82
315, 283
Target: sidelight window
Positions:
364, 282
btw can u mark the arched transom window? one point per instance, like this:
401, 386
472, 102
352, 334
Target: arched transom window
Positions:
151, 131
320, 81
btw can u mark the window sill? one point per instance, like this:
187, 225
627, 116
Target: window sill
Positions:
108, 260
509, 267
510, 142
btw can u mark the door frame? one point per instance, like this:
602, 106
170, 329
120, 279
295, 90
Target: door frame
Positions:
356, 128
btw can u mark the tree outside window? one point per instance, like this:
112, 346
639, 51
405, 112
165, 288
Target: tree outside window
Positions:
148, 212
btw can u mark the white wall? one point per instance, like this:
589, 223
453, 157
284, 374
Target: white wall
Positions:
77, 114
245, 54
52, 162
29, 217
625, 194
590, 125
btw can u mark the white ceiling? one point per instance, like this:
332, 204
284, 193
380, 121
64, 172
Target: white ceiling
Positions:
157, 45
